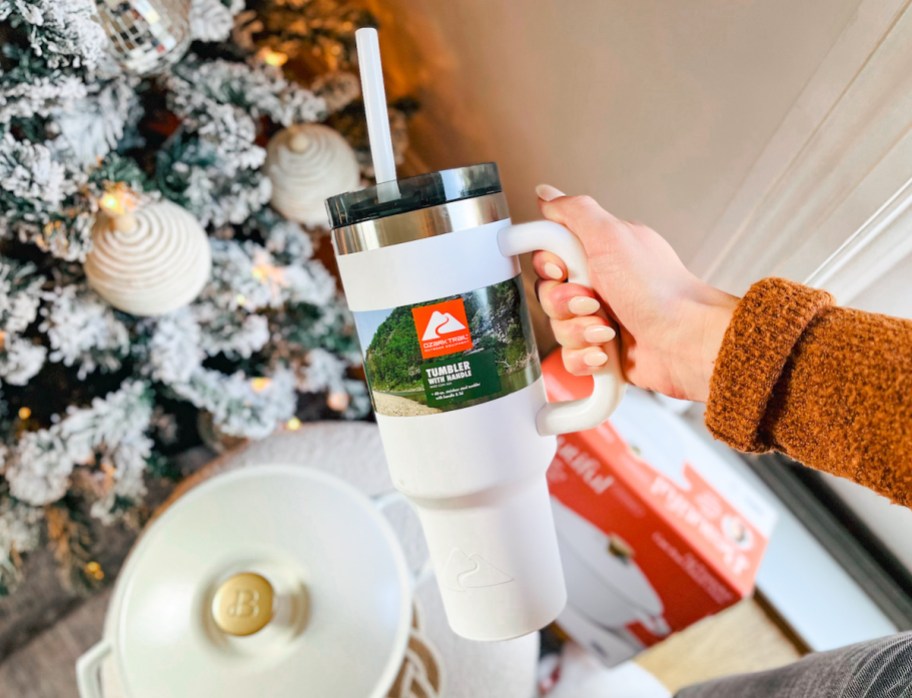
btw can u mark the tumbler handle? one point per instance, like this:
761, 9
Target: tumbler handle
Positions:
608, 382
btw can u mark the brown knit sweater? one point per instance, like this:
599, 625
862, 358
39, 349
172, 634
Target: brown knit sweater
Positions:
830, 387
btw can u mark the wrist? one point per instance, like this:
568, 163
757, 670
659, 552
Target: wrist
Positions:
706, 318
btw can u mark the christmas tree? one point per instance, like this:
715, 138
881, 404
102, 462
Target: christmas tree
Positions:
157, 269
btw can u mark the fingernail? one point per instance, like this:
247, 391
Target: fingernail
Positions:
595, 357
552, 271
546, 192
583, 305
598, 334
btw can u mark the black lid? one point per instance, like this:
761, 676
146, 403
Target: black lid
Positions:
412, 193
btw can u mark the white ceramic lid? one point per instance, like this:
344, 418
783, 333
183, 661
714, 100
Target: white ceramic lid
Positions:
342, 592
591, 545
612, 646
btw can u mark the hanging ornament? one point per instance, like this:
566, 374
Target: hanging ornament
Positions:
146, 36
307, 164
147, 262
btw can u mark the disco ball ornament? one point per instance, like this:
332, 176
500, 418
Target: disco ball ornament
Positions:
146, 36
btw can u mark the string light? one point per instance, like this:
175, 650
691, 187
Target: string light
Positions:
293, 424
275, 275
112, 204
274, 58
118, 203
338, 400
24, 413
241, 300
259, 384
266, 273
117, 200
93, 570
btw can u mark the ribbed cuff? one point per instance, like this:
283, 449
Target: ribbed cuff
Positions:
766, 325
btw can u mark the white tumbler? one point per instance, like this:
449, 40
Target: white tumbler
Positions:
431, 274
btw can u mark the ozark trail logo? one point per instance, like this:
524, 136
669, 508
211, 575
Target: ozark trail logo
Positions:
442, 328
441, 324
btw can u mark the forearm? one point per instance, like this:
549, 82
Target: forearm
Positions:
830, 387
873, 669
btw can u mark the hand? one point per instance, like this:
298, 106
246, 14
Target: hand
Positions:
671, 323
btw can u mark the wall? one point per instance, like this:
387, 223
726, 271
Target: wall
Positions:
656, 108
742, 130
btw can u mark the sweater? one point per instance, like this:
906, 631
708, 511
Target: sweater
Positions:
830, 387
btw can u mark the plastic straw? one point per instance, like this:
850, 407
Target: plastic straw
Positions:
374, 93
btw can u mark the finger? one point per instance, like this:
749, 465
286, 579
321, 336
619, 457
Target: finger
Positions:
584, 362
563, 300
582, 332
562, 208
549, 266
594, 226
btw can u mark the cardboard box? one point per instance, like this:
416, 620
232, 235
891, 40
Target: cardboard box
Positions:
656, 530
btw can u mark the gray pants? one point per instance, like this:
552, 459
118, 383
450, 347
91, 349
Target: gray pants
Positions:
877, 669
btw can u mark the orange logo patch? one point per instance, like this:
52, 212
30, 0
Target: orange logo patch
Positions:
442, 328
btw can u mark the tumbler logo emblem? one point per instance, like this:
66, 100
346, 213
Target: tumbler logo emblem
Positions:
462, 572
441, 324
442, 328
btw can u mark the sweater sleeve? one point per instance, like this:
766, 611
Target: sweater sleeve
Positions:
829, 387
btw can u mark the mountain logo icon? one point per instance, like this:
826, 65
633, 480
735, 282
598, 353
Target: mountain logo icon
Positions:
441, 324
442, 328
463, 572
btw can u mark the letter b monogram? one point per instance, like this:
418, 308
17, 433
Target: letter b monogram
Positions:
243, 604
246, 604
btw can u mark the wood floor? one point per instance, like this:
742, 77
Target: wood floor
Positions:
746, 637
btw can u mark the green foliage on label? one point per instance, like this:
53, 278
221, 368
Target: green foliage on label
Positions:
393, 359
449, 353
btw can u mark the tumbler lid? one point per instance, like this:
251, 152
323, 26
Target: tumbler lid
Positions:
413, 193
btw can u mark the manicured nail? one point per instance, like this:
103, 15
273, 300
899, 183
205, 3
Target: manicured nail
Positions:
552, 271
583, 305
595, 357
546, 192
598, 334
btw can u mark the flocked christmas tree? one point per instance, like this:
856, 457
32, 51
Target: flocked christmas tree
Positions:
156, 264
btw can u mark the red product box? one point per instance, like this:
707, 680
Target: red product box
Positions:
656, 530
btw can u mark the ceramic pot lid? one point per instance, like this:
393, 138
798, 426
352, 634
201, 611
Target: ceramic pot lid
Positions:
654, 437
611, 646
591, 545
191, 613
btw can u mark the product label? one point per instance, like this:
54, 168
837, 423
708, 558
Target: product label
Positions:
450, 353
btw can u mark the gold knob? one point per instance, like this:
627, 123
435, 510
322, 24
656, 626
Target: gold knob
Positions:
243, 604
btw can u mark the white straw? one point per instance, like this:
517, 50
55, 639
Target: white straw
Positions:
378, 128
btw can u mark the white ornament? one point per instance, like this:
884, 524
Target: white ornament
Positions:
308, 163
149, 262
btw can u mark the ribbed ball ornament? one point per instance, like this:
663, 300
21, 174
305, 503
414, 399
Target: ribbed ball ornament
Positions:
308, 163
149, 262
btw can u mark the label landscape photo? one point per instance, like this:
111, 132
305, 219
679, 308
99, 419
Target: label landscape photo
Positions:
450, 353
